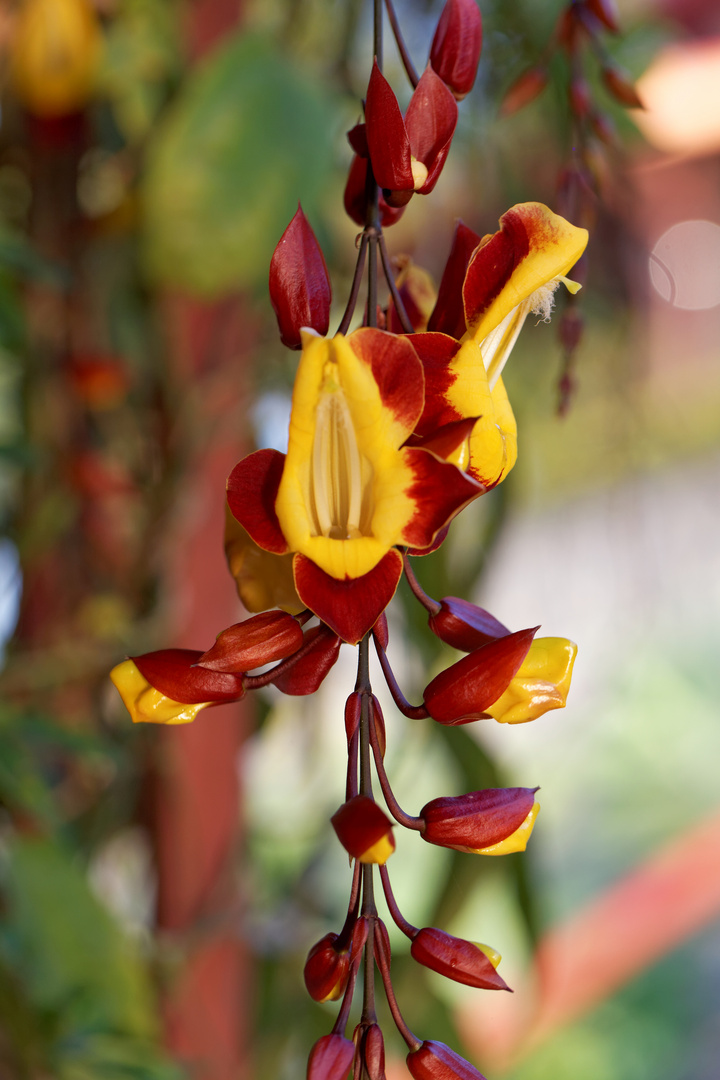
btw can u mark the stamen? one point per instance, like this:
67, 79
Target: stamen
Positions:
336, 467
498, 344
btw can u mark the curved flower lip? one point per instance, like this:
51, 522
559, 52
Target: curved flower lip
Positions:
146, 704
457, 959
532, 248
263, 580
348, 491
408, 155
476, 821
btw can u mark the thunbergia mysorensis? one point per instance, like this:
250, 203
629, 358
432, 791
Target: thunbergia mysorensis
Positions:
396, 426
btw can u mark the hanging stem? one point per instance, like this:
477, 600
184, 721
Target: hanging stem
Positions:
413, 712
355, 287
427, 601
412, 1040
407, 928
397, 299
393, 805
402, 47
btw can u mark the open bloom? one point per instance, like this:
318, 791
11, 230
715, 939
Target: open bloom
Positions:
541, 682
348, 491
489, 288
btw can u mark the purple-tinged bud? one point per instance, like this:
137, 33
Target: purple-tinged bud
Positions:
270, 636
326, 970
465, 690
494, 821
456, 45
606, 11
364, 830
457, 959
300, 290
465, 626
436, 1061
353, 709
307, 673
330, 1058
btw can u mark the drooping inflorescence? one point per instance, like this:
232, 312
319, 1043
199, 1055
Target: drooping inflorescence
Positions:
396, 426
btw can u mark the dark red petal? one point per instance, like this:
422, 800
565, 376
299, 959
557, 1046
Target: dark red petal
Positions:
437, 542
330, 1058
171, 672
357, 137
445, 440
387, 139
439, 490
430, 121
456, 959
300, 290
456, 45
436, 1061
467, 688
448, 315
493, 263
360, 823
252, 489
270, 636
350, 607
373, 1052
307, 673
355, 197
464, 625
478, 819
396, 369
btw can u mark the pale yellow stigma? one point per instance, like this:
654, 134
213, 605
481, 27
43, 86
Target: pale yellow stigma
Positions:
336, 469
419, 173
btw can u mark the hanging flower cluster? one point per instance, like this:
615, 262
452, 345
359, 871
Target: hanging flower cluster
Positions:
395, 427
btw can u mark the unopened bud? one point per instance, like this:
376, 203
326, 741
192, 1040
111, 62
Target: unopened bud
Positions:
457, 959
524, 90
364, 830
456, 45
326, 970
330, 1058
606, 11
480, 821
621, 86
436, 1061
465, 626
260, 640
300, 289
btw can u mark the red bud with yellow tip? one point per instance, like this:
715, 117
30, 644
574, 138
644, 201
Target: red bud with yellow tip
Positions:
465, 690
300, 290
480, 820
330, 1058
456, 45
457, 959
364, 830
326, 969
436, 1061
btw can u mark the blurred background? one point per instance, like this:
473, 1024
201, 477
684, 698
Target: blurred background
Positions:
159, 889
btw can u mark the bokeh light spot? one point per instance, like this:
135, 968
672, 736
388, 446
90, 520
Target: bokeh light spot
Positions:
684, 265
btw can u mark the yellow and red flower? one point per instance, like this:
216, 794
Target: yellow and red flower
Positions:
349, 491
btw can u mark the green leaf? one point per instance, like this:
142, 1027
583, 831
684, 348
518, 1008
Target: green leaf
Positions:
247, 137
71, 956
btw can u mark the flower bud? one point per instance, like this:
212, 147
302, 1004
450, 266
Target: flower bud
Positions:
448, 316
464, 691
364, 830
524, 90
306, 674
606, 11
417, 292
326, 970
494, 821
436, 1061
457, 959
580, 98
260, 640
355, 197
300, 290
330, 1058
456, 45
166, 687
464, 625
542, 682
371, 1046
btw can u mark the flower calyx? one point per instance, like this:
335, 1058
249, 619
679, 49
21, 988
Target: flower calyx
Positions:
300, 290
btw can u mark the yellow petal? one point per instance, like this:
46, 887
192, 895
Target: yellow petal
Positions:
541, 683
517, 841
146, 704
380, 851
263, 580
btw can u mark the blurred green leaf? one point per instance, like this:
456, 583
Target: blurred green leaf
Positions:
71, 956
245, 139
